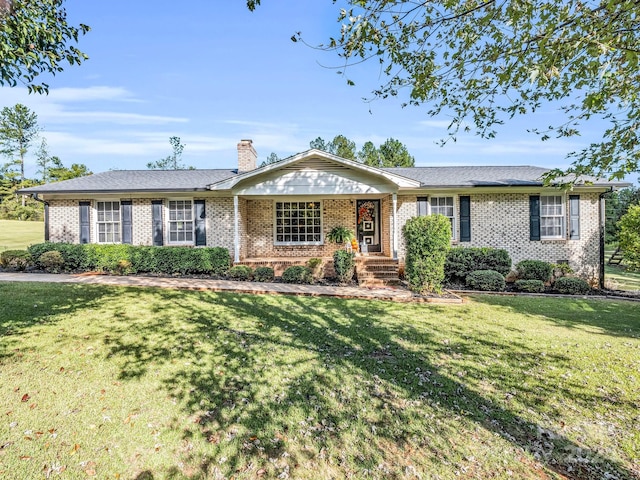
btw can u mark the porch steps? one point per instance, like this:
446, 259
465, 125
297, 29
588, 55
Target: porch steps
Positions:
377, 271
616, 258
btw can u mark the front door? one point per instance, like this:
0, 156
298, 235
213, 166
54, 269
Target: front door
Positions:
368, 224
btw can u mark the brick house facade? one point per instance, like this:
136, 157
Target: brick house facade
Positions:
285, 210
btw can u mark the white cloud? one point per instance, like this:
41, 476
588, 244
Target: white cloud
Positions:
439, 124
91, 93
84, 106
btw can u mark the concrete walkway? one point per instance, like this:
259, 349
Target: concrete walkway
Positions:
397, 294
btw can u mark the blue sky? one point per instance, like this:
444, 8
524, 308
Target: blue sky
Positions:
213, 73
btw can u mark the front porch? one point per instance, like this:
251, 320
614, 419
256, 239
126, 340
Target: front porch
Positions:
372, 270
296, 229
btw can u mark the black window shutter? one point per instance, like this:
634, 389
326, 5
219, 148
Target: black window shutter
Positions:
201, 223
127, 223
85, 230
423, 206
465, 218
574, 217
156, 220
534, 217
46, 222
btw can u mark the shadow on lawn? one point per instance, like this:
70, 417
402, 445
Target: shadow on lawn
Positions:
22, 308
268, 371
605, 316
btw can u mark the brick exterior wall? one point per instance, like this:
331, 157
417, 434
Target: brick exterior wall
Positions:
64, 221
386, 219
260, 224
219, 224
407, 208
502, 221
497, 220
142, 222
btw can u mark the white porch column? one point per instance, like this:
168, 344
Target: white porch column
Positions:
395, 226
236, 230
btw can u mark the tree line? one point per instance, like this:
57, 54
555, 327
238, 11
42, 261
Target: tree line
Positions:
19, 131
391, 153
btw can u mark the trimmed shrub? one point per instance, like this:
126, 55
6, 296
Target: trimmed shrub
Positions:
241, 272
534, 270
51, 261
344, 263
15, 259
571, 286
316, 267
530, 286
297, 274
461, 261
74, 254
486, 280
427, 240
263, 274
138, 259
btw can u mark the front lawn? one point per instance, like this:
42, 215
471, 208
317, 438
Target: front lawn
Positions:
150, 383
18, 235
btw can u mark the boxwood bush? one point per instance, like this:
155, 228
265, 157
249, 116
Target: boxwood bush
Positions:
263, 274
297, 274
530, 286
137, 259
15, 259
534, 270
486, 280
344, 263
241, 272
571, 286
51, 261
427, 240
461, 261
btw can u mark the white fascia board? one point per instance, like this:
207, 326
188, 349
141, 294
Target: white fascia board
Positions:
400, 181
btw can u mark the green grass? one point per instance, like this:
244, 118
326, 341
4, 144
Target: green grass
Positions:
152, 383
15, 234
617, 277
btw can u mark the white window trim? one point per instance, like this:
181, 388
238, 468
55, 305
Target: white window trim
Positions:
96, 222
297, 244
563, 216
167, 223
454, 223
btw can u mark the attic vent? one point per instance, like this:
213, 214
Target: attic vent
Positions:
317, 164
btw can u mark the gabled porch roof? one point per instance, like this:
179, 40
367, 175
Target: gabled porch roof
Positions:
315, 172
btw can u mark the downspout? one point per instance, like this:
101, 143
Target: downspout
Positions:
46, 215
602, 219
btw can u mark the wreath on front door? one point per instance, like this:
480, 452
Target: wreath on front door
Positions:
366, 212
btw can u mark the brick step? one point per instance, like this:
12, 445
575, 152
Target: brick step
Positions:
379, 268
365, 274
378, 283
375, 261
377, 272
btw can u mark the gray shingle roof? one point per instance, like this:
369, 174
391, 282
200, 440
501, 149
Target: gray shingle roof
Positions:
117, 181
481, 176
137, 181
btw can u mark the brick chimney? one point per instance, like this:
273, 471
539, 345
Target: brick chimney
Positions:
247, 156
